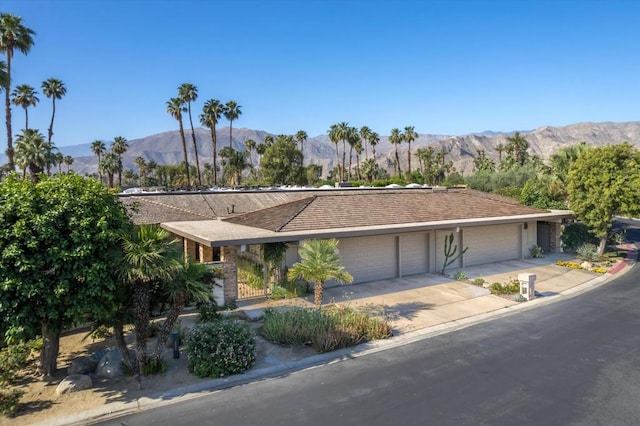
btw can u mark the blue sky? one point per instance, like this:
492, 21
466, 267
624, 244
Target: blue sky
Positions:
445, 67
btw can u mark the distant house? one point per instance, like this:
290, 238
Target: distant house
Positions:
383, 233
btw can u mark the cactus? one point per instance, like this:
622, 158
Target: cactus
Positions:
450, 252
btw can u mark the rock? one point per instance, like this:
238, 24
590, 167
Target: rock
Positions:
82, 365
585, 265
111, 364
74, 383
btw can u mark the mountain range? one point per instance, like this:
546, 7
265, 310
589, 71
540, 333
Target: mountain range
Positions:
166, 147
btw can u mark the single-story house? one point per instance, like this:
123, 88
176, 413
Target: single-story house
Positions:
383, 233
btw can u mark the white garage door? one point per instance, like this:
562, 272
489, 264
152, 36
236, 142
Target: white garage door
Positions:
413, 253
492, 244
369, 258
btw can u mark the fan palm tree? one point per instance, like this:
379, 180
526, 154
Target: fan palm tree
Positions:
334, 136
139, 161
353, 139
396, 138
119, 146
175, 108
98, 148
13, 35
68, 161
109, 165
211, 113
517, 146
374, 138
189, 93
31, 152
365, 134
58, 159
250, 146
319, 262
268, 141
343, 134
151, 256
500, 150
24, 96
4, 77
410, 135
192, 283
231, 113
301, 137
54, 89
233, 164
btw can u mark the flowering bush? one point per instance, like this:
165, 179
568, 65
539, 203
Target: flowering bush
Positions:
599, 270
568, 264
222, 348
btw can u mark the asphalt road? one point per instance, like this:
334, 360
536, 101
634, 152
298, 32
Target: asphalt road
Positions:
574, 362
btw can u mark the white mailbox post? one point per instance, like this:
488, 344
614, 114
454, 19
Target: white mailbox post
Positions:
527, 285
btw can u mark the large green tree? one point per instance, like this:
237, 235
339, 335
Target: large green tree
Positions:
59, 241
605, 182
282, 163
13, 35
319, 262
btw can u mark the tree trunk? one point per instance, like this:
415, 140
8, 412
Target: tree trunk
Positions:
167, 327
141, 303
50, 348
118, 331
214, 155
184, 153
318, 291
7, 105
602, 246
195, 147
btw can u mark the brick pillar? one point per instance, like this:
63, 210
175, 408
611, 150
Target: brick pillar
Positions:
229, 256
206, 254
189, 249
555, 243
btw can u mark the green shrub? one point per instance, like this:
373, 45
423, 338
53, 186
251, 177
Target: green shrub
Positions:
10, 401
618, 236
510, 287
536, 252
153, 366
251, 273
325, 330
13, 358
287, 290
588, 252
460, 276
222, 348
478, 281
576, 234
209, 312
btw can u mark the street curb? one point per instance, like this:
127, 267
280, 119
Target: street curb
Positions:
120, 409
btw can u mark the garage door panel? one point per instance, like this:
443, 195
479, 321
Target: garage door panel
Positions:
413, 253
492, 244
369, 258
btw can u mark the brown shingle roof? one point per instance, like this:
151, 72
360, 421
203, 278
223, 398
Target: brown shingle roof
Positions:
370, 208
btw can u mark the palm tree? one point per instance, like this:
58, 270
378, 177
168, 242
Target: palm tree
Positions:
374, 138
119, 146
301, 137
13, 35
139, 161
231, 112
68, 160
334, 137
189, 93
396, 139
343, 133
410, 135
98, 148
24, 96
151, 256
365, 134
175, 109
250, 146
110, 166
31, 152
54, 89
353, 139
211, 113
319, 262
192, 283
233, 164
500, 149
58, 159
4, 78
517, 146
268, 141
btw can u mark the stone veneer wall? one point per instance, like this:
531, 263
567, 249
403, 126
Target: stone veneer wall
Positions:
555, 243
229, 256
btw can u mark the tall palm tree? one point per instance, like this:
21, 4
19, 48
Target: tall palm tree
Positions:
319, 262
396, 138
98, 148
343, 134
211, 113
58, 160
54, 89
233, 164
119, 146
109, 165
151, 256
231, 113
175, 108
365, 134
374, 138
410, 135
31, 152
4, 77
13, 35
301, 137
500, 149
334, 136
517, 146
24, 96
139, 161
189, 93
68, 161
268, 141
353, 139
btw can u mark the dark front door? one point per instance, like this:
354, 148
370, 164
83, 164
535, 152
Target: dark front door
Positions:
544, 236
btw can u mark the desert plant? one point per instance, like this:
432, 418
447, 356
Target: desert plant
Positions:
519, 298
479, 281
510, 287
450, 252
222, 348
209, 312
460, 276
536, 252
588, 252
251, 273
617, 236
10, 401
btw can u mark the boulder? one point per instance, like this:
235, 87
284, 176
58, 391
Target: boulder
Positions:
82, 365
585, 265
110, 364
74, 383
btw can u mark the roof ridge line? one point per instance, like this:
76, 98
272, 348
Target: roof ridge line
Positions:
309, 201
175, 208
